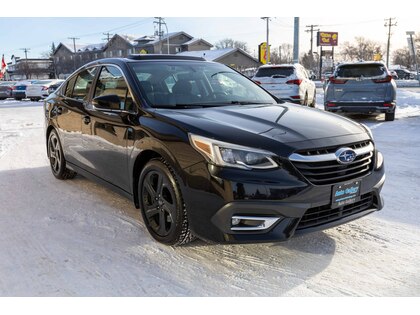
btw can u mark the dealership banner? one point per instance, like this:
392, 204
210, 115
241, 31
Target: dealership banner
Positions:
327, 39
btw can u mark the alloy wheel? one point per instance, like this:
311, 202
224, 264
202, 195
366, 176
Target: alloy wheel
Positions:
55, 153
159, 201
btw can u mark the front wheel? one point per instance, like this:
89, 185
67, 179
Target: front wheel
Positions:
162, 205
56, 157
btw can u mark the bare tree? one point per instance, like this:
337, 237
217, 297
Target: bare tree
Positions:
362, 49
282, 54
402, 57
231, 43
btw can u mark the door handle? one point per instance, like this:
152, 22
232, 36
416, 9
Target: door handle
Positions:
86, 120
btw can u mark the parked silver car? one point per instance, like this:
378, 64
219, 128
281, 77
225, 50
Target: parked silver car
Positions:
288, 82
361, 87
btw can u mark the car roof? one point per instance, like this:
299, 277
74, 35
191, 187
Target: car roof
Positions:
279, 65
361, 63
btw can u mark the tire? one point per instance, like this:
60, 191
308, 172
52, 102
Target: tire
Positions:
162, 206
313, 104
390, 116
56, 157
18, 98
305, 100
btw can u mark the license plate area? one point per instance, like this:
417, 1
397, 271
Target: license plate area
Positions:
345, 194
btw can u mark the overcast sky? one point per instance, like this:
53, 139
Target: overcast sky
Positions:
37, 33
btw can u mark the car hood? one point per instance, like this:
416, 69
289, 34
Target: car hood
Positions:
284, 122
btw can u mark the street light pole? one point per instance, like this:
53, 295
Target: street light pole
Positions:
267, 40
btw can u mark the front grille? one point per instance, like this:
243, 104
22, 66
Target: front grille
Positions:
324, 214
321, 167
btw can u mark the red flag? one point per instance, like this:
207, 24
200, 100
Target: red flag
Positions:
3, 66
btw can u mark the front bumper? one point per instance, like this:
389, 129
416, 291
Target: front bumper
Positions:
360, 107
288, 197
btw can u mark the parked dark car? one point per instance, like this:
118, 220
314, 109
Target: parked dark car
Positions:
6, 89
361, 87
404, 74
205, 152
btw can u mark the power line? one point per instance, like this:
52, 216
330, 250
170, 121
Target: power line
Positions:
389, 24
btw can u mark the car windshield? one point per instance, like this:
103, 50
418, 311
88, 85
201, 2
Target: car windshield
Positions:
275, 71
190, 83
360, 70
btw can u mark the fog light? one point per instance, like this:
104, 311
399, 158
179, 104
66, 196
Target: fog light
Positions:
250, 223
235, 221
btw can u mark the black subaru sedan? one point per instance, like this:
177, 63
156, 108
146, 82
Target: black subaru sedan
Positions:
204, 152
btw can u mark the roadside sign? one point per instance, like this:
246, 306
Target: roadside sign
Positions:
263, 53
327, 39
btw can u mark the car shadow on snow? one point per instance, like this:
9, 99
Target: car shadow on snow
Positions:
89, 210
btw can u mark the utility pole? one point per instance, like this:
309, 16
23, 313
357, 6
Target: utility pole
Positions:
267, 39
296, 41
74, 47
389, 24
108, 36
26, 52
412, 48
311, 30
160, 21
26, 61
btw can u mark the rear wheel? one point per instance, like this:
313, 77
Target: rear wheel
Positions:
313, 104
390, 116
56, 157
162, 206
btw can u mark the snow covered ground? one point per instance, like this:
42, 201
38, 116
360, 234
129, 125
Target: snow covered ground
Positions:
76, 238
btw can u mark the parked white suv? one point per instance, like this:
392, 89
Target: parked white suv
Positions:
288, 82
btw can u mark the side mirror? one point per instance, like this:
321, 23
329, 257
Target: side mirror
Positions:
107, 102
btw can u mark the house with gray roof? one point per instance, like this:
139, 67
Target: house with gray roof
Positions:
66, 60
178, 42
233, 57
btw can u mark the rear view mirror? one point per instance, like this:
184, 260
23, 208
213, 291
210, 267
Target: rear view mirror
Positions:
107, 102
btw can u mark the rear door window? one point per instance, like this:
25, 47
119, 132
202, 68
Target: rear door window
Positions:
275, 71
358, 71
83, 84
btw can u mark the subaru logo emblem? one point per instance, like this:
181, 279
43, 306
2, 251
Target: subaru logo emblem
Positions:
345, 155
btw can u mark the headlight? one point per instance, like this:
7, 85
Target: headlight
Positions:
379, 160
232, 155
368, 130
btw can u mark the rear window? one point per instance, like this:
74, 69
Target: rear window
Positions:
43, 82
357, 71
275, 71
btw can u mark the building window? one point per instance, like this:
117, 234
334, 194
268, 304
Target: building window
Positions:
110, 53
177, 49
120, 53
96, 56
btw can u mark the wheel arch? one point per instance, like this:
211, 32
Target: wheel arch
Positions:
149, 151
